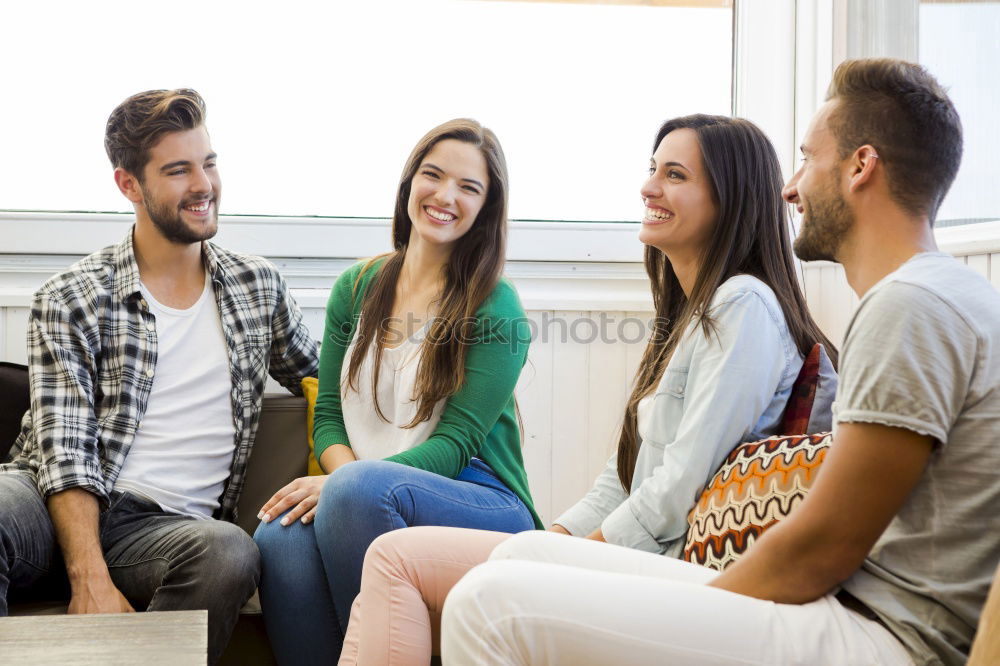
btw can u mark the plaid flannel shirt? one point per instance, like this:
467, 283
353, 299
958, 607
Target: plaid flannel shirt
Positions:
92, 359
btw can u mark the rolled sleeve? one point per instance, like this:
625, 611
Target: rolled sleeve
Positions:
61, 363
733, 376
59, 474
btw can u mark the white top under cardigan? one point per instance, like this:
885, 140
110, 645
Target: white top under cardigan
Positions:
372, 438
716, 392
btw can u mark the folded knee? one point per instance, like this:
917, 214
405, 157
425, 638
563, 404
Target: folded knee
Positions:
228, 552
523, 546
479, 598
274, 539
358, 484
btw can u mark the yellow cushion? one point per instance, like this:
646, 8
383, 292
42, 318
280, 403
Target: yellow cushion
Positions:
310, 388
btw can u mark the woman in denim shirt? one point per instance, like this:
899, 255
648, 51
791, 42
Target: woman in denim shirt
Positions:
730, 335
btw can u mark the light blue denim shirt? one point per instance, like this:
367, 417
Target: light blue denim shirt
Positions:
716, 392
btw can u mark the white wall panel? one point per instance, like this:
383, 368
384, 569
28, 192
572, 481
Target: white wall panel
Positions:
15, 334
831, 300
535, 400
995, 269
608, 387
571, 368
979, 263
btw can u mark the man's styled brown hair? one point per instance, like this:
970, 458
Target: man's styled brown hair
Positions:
138, 123
898, 108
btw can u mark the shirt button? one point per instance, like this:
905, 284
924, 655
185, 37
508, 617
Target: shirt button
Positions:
149, 372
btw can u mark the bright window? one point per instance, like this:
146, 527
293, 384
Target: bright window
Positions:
960, 45
314, 106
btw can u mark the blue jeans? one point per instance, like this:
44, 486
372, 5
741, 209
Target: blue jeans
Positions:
311, 573
158, 560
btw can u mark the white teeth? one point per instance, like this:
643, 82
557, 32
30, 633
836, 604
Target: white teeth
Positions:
444, 217
199, 208
658, 215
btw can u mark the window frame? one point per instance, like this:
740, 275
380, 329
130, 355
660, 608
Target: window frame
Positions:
335, 237
784, 53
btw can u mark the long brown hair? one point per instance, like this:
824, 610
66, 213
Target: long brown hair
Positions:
750, 237
470, 276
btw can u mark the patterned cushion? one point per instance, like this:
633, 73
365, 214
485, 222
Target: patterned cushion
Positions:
810, 405
800, 402
757, 486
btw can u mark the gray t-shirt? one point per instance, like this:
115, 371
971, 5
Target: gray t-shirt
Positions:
922, 352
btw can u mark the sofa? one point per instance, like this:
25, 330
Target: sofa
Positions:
279, 455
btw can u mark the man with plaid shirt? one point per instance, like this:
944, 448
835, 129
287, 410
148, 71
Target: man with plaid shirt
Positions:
148, 362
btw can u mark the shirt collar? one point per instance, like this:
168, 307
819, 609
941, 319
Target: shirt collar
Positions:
213, 262
127, 269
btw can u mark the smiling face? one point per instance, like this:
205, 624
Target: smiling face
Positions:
680, 211
181, 187
447, 192
815, 191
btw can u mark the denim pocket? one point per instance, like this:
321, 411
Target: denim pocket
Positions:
674, 381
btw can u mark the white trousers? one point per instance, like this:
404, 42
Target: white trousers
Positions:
546, 598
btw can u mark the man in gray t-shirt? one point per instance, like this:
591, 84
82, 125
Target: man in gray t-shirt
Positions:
902, 523
922, 353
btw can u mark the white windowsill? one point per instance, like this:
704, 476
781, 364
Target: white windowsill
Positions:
566, 266
319, 238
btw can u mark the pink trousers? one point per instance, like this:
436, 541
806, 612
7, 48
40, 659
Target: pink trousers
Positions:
396, 619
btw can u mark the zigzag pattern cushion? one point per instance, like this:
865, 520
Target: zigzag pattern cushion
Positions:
756, 487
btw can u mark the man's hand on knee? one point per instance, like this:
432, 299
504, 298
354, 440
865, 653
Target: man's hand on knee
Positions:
98, 594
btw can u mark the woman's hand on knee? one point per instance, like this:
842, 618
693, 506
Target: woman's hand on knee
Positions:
301, 496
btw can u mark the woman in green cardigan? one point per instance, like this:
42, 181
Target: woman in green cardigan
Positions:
415, 421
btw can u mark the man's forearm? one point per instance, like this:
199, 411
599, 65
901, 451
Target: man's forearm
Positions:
75, 513
786, 569
75, 516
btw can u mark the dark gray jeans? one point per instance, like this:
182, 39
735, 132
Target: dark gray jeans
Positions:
160, 561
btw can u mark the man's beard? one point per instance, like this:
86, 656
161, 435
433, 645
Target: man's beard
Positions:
825, 223
169, 223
